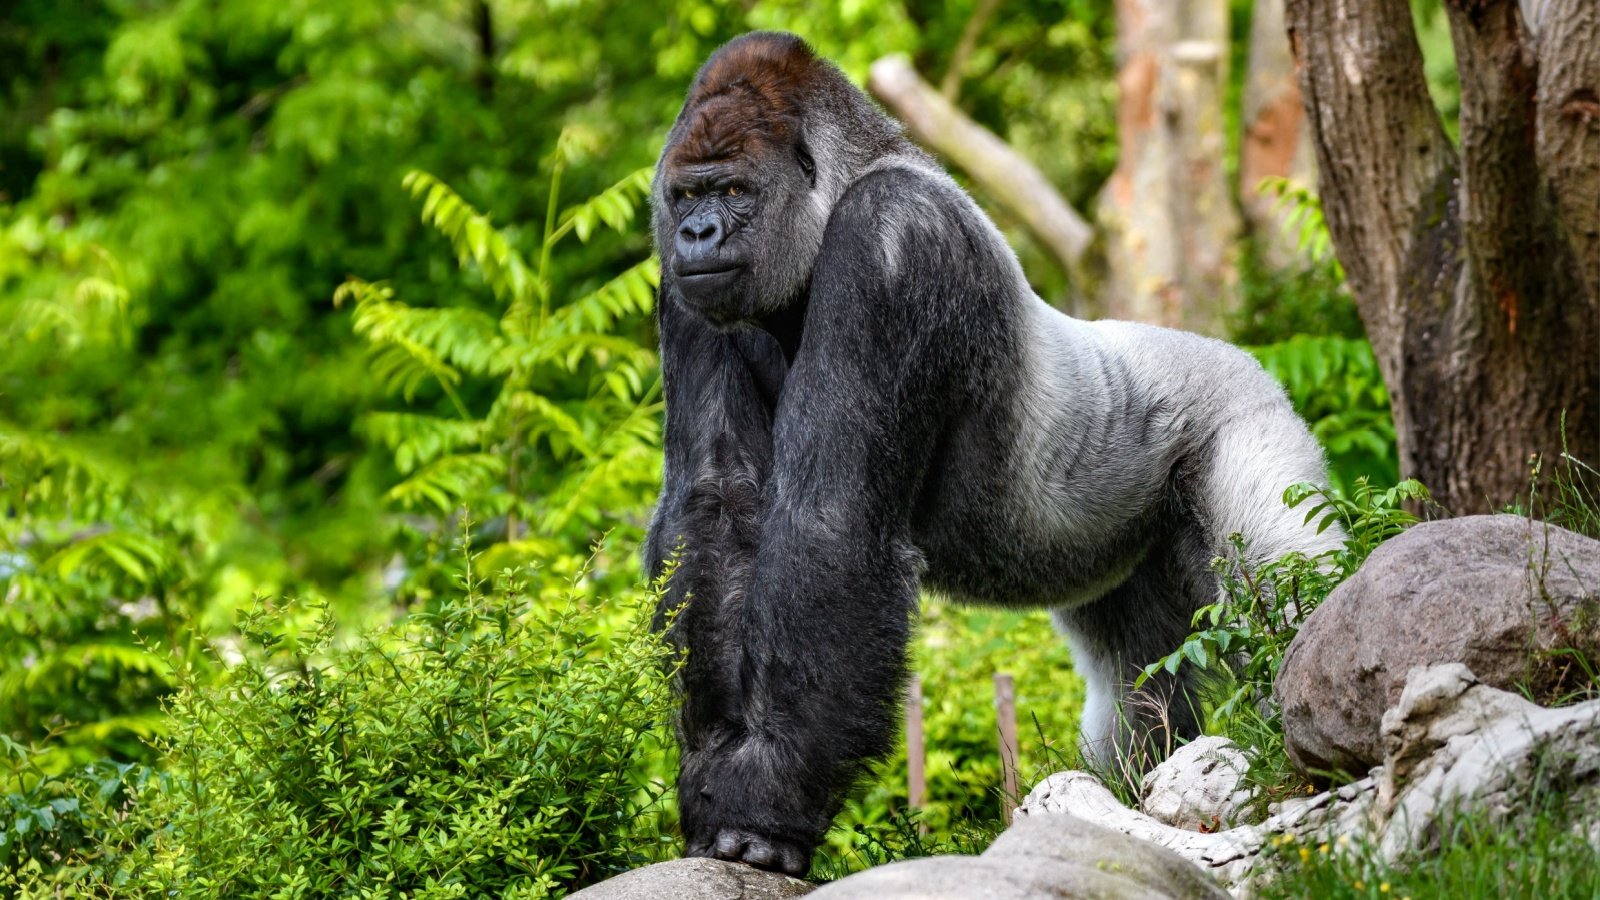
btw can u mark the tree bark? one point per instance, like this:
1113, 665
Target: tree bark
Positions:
1168, 211
1002, 172
1477, 274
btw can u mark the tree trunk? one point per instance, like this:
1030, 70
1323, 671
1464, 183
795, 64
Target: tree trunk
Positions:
1168, 212
1276, 142
1477, 273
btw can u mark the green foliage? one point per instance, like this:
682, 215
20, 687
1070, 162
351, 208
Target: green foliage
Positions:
552, 412
1276, 305
489, 749
1243, 636
89, 557
1305, 220
54, 817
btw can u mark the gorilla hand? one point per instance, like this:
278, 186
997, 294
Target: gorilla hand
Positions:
747, 801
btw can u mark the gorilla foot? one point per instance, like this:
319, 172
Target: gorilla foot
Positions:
735, 845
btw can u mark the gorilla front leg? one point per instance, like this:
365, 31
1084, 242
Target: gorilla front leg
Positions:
826, 621
825, 628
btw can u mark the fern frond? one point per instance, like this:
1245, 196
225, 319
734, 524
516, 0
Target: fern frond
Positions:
446, 482
473, 237
464, 338
631, 293
129, 555
539, 416
613, 207
417, 439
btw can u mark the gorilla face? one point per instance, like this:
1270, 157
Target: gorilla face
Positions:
732, 231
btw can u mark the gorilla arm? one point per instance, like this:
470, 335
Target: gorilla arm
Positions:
719, 386
825, 624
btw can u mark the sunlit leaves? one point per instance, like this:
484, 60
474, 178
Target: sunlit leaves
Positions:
614, 207
537, 450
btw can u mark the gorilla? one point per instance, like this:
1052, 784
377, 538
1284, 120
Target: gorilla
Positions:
864, 397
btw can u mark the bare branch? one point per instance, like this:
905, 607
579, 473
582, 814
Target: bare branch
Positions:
1002, 172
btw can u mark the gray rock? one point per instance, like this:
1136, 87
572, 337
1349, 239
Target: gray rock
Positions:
1053, 856
1454, 744
1198, 787
696, 879
1485, 591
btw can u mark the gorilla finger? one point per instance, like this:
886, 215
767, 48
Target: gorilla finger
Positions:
793, 861
759, 853
729, 845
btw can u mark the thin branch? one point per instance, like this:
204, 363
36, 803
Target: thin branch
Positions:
950, 87
1002, 172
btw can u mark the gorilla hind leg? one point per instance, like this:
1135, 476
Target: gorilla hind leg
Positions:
1134, 624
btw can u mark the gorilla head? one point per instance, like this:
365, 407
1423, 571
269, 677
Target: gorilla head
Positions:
749, 175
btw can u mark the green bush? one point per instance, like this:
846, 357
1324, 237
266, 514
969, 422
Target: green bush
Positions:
491, 748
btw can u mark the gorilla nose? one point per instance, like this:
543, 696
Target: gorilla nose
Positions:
699, 236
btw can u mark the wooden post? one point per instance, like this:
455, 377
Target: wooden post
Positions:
916, 753
1005, 705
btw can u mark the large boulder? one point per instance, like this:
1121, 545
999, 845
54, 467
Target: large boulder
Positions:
1049, 856
696, 879
1485, 591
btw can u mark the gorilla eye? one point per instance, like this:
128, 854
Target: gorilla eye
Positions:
688, 194
735, 190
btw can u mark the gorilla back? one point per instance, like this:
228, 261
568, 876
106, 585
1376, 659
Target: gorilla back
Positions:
864, 396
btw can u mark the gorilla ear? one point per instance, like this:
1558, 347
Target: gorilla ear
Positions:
808, 165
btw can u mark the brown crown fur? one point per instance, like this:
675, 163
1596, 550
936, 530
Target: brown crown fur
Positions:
746, 98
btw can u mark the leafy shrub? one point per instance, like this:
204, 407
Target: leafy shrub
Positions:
491, 748
1262, 605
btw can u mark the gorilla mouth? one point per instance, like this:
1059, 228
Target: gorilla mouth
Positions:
707, 270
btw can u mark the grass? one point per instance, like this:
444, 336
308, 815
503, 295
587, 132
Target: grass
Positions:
1539, 857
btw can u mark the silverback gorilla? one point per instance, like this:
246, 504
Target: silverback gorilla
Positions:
864, 396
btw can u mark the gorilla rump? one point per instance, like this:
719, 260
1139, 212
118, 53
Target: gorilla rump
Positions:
864, 396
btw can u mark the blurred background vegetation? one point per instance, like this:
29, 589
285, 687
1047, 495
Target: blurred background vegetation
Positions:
287, 286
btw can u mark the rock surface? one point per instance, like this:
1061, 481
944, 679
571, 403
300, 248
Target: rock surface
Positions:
1198, 787
696, 879
1038, 857
1451, 743
1454, 743
1485, 591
